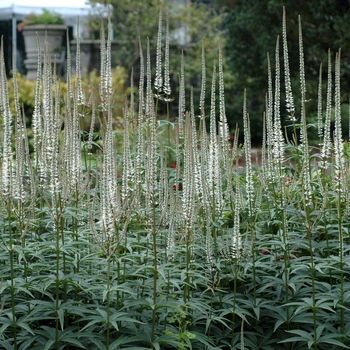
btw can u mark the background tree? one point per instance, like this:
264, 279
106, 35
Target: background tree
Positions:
252, 28
191, 23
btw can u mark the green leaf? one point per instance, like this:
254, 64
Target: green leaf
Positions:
26, 327
49, 344
303, 336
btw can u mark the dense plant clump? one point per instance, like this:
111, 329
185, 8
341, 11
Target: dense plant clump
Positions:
168, 236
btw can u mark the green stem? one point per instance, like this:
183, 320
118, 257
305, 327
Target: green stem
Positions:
57, 224
155, 278
108, 301
341, 263
12, 276
313, 294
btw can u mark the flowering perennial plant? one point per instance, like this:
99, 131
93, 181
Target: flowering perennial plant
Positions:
176, 239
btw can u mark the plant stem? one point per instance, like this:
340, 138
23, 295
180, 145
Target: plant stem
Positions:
108, 301
12, 275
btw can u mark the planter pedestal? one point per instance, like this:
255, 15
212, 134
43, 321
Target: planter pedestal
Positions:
54, 34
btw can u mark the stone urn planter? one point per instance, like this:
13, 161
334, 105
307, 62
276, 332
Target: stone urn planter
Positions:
55, 34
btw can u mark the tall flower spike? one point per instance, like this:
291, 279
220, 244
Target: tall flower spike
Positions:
55, 172
149, 94
68, 160
109, 57
202, 96
140, 121
214, 169
212, 150
19, 141
269, 119
93, 119
76, 175
326, 146
188, 200
106, 68
339, 164
6, 168
167, 87
197, 174
278, 146
141, 84
263, 145
301, 63
289, 96
182, 101
150, 155
158, 81
36, 118
151, 167
303, 130
248, 158
132, 101
48, 121
128, 172
163, 181
223, 126
69, 69
102, 61
80, 93
319, 105
236, 247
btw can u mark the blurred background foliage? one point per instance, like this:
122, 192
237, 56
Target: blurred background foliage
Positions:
90, 82
247, 29
252, 28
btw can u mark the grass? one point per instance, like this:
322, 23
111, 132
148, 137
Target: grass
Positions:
159, 238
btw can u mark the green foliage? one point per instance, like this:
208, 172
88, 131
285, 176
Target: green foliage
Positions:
90, 81
162, 236
254, 25
46, 17
191, 25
